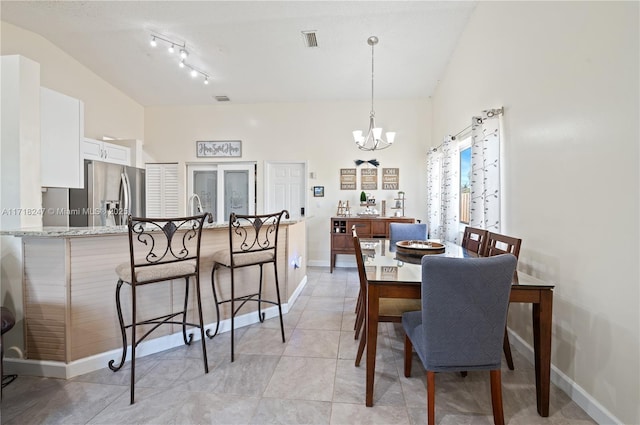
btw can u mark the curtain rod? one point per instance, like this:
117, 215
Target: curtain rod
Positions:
488, 113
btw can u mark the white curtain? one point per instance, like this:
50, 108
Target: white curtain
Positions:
442, 186
485, 173
443, 182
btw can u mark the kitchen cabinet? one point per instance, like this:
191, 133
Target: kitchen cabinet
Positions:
104, 151
61, 132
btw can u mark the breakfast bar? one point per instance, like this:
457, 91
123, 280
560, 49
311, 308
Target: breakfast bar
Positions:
69, 282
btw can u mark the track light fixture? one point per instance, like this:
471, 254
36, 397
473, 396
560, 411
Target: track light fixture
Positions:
183, 53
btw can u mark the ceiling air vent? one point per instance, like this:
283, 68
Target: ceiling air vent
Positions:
222, 98
310, 39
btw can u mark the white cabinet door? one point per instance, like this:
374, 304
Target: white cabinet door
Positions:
106, 152
116, 153
61, 130
92, 149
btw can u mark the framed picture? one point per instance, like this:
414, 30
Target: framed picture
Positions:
219, 149
318, 191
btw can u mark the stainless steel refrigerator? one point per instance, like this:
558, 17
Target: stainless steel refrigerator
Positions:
110, 193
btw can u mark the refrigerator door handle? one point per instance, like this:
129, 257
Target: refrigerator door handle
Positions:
127, 196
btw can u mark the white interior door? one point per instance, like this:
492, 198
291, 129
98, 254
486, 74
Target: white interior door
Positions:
285, 185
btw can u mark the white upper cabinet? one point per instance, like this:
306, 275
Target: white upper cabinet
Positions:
61, 132
106, 152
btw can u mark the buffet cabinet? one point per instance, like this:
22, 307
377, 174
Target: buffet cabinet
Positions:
366, 227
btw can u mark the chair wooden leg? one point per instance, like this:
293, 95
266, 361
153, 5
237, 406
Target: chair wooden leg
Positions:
361, 345
431, 397
359, 324
408, 354
506, 347
496, 397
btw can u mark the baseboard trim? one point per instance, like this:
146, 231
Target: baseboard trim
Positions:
62, 370
578, 395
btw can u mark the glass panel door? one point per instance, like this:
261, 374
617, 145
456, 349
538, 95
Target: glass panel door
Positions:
205, 185
221, 188
236, 192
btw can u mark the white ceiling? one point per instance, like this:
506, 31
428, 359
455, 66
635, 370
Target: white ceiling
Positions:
254, 50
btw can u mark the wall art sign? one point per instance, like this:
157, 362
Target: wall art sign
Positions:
390, 178
219, 148
369, 179
318, 191
347, 179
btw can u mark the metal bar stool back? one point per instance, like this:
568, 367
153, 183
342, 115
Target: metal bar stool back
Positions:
253, 241
160, 250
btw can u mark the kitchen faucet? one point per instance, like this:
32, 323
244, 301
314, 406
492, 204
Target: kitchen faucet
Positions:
197, 208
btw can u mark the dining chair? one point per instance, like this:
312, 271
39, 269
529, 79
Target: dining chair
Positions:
397, 232
389, 310
160, 250
501, 244
460, 326
253, 241
407, 231
475, 240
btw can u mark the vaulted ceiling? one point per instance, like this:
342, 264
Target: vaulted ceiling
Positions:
254, 51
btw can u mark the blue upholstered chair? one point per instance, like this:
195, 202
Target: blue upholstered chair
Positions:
406, 232
461, 324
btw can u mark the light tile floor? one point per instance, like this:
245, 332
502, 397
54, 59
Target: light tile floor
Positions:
310, 379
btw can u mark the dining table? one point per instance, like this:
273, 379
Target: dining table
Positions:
398, 274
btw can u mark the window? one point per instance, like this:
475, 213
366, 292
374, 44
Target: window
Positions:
221, 189
465, 184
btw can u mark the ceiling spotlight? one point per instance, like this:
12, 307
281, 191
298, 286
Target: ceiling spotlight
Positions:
194, 73
153, 42
172, 49
181, 64
206, 81
183, 53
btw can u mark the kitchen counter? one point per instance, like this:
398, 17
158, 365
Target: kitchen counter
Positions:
67, 231
69, 280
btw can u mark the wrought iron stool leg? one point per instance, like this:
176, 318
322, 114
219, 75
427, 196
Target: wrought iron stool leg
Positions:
134, 342
275, 272
260, 313
122, 330
187, 341
216, 303
233, 311
204, 346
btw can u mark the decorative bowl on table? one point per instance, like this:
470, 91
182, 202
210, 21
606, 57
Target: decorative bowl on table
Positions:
419, 248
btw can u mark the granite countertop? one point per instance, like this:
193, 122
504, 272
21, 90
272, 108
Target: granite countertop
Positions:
66, 231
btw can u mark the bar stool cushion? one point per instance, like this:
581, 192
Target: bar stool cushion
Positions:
8, 320
242, 259
156, 272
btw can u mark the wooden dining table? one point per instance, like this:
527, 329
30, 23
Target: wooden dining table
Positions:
391, 274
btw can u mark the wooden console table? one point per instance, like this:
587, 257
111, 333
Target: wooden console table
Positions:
367, 227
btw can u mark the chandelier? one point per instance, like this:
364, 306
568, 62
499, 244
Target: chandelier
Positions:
373, 139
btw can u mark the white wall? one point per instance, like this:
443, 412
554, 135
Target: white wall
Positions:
319, 133
107, 111
567, 74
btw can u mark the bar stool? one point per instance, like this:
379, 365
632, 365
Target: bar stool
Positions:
253, 241
8, 321
160, 249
